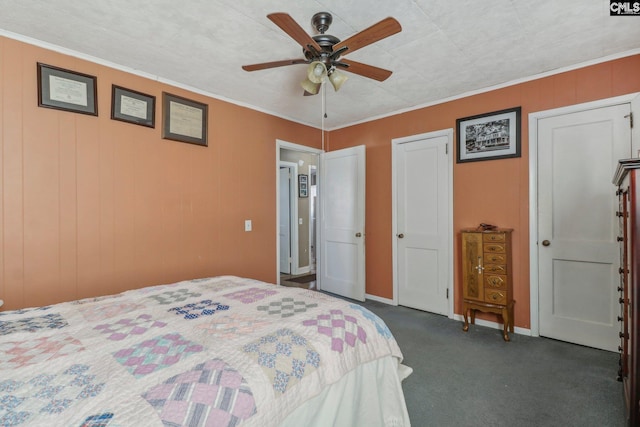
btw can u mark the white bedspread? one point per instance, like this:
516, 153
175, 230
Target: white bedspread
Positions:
222, 351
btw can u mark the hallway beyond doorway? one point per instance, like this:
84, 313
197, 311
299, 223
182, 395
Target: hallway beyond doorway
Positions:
304, 281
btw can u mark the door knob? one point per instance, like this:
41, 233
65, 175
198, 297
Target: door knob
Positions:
546, 243
400, 236
358, 234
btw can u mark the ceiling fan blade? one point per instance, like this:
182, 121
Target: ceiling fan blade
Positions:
379, 31
375, 73
295, 31
274, 64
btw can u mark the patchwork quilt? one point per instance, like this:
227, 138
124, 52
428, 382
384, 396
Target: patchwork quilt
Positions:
223, 351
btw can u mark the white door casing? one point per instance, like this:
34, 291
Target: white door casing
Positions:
577, 252
292, 147
313, 207
635, 129
341, 256
423, 226
285, 198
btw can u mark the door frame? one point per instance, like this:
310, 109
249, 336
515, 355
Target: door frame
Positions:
534, 284
293, 214
280, 144
394, 146
313, 210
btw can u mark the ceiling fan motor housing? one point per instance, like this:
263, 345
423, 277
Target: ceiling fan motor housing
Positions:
321, 22
326, 42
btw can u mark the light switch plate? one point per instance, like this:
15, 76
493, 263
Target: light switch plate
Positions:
247, 225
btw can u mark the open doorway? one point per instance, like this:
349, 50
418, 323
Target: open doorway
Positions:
297, 210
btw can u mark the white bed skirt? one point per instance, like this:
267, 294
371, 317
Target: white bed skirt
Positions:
369, 396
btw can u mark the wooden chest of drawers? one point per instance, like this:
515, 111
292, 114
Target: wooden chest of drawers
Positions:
627, 179
487, 283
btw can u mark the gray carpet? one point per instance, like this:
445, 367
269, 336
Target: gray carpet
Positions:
475, 378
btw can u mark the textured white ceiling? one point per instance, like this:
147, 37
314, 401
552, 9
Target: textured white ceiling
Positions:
446, 48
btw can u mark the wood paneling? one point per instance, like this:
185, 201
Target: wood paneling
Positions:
470, 206
13, 185
92, 206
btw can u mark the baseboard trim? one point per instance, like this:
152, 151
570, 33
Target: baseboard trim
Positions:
459, 317
494, 325
380, 299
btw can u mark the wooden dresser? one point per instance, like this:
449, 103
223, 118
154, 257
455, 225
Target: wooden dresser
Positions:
627, 179
487, 283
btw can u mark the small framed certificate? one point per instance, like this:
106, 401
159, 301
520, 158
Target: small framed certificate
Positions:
67, 90
133, 107
184, 120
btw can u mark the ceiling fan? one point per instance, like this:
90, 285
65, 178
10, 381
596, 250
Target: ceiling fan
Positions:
323, 52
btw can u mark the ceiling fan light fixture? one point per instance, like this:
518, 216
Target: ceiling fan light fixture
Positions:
316, 72
323, 51
337, 79
310, 86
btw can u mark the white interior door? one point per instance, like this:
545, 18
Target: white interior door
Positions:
422, 222
577, 249
341, 260
284, 227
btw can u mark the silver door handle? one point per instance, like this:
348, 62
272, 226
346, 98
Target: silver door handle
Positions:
401, 236
546, 243
358, 234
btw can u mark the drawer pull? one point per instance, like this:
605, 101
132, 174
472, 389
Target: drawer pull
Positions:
495, 281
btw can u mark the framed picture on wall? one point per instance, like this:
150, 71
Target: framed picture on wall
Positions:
488, 136
133, 107
184, 120
303, 186
67, 90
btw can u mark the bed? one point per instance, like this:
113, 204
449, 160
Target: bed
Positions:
221, 351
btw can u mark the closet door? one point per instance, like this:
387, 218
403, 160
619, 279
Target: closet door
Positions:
577, 229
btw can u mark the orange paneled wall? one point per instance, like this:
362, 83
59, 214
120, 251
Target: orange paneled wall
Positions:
508, 178
91, 206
